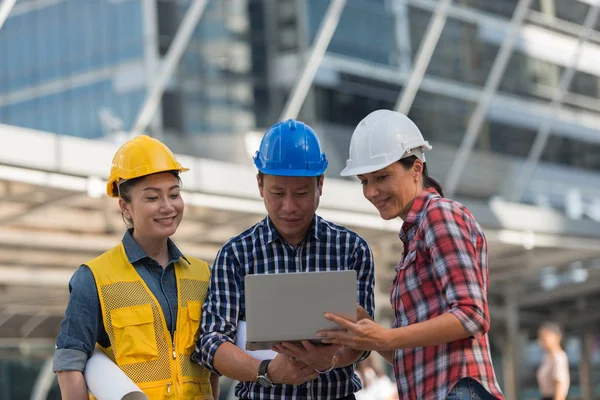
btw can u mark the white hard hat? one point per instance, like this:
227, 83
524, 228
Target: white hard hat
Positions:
382, 138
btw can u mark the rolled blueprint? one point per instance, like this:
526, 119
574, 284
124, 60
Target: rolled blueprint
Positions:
106, 381
241, 343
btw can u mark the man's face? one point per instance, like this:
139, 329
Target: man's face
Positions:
291, 203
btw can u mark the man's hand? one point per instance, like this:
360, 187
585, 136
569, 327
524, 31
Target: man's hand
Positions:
362, 335
316, 357
284, 370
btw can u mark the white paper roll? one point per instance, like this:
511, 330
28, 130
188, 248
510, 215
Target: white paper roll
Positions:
241, 343
106, 381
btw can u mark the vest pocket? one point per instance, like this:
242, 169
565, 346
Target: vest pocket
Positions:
194, 313
135, 339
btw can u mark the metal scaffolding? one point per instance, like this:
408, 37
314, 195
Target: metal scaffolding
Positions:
428, 44
543, 133
5, 9
490, 88
302, 85
176, 49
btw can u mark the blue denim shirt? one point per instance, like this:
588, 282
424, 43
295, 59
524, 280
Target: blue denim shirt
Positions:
83, 327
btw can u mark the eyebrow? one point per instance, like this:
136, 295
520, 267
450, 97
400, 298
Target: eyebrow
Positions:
158, 189
303, 187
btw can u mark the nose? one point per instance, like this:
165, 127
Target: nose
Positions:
167, 206
289, 205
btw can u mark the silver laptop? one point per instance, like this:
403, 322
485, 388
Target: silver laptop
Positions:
290, 306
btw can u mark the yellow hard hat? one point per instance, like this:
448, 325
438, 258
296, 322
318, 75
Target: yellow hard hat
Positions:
139, 157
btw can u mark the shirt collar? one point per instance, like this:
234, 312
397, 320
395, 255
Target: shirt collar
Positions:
417, 210
272, 234
135, 253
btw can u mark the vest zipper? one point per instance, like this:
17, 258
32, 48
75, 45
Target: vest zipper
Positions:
168, 388
174, 352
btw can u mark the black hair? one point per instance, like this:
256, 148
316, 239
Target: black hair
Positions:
428, 181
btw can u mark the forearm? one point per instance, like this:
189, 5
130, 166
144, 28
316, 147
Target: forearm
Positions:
214, 384
442, 329
387, 355
236, 364
72, 385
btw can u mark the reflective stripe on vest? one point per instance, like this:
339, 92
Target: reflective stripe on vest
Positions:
140, 342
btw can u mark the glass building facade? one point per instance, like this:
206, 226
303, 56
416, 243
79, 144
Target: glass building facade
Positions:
80, 67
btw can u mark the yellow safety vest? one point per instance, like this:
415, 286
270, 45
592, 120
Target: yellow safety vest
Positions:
140, 342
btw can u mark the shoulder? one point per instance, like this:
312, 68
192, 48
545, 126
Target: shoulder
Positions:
560, 357
83, 281
107, 256
441, 209
335, 232
197, 263
245, 240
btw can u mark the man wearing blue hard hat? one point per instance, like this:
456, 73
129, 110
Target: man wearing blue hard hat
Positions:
290, 178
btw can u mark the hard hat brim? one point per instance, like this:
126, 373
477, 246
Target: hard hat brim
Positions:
367, 169
292, 172
114, 194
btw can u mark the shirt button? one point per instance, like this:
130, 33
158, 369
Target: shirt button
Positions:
164, 282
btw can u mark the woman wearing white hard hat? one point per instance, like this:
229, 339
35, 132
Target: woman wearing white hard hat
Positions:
438, 344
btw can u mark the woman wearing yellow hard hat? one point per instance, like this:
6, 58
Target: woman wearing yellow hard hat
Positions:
140, 302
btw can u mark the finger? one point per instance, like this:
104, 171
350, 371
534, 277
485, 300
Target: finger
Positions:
308, 346
287, 353
298, 351
343, 322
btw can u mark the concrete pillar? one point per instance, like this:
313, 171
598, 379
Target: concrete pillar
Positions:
510, 348
585, 367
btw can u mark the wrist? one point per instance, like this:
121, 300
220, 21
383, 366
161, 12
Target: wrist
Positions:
332, 364
392, 339
264, 379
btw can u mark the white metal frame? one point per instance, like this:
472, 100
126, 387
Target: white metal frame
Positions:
176, 49
490, 88
428, 45
5, 9
304, 81
543, 133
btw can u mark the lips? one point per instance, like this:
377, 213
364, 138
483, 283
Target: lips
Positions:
380, 203
165, 221
290, 220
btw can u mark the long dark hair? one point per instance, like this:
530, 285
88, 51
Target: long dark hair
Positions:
428, 181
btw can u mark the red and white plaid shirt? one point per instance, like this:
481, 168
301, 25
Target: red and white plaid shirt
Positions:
444, 269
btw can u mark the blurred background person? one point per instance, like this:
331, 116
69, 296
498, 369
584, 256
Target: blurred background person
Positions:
553, 374
377, 385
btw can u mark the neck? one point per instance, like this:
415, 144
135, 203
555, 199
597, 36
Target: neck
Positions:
404, 213
294, 240
554, 349
157, 248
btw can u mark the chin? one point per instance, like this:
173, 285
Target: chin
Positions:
387, 215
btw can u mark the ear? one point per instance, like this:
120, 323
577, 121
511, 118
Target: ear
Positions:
260, 186
125, 207
417, 168
320, 184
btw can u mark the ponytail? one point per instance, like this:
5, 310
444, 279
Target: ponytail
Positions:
428, 181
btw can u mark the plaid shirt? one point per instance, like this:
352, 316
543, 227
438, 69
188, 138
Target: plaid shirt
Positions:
444, 269
259, 250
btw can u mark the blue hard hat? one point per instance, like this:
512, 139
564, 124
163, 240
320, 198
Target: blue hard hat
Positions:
290, 148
